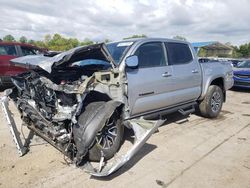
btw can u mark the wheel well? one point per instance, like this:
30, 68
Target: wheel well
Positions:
95, 96
220, 82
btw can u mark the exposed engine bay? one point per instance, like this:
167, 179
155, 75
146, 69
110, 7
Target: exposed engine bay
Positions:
53, 106
80, 110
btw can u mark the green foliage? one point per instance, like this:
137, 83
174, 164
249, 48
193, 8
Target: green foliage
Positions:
178, 37
31, 42
136, 36
86, 42
23, 39
242, 51
9, 38
107, 40
57, 42
202, 53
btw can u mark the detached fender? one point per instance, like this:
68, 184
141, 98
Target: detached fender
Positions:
89, 123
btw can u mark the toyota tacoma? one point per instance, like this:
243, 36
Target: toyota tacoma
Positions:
81, 100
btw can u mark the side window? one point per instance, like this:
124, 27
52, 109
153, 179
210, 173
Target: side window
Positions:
151, 55
178, 53
8, 50
28, 51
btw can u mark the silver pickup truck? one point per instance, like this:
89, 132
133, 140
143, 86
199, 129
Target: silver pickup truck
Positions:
81, 100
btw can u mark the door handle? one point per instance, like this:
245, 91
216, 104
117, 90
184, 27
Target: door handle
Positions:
195, 71
166, 74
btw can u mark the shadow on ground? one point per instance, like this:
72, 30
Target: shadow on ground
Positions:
237, 89
146, 149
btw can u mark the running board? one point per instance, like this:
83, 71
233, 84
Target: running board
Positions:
185, 112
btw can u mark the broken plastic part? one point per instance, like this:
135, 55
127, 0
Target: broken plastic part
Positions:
143, 130
12, 125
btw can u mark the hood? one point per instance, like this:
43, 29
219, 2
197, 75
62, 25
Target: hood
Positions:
95, 51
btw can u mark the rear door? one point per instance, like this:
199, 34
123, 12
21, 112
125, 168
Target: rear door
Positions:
147, 85
186, 75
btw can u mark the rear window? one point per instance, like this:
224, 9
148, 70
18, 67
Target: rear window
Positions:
178, 53
8, 50
28, 51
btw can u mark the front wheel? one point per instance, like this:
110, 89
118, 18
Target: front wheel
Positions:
108, 140
211, 105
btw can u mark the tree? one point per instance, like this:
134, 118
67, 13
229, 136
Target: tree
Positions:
136, 36
178, 37
202, 52
9, 38
47, 38
23, 39
31, 42
244, 50
72, 43
86, 41
107, 40
40, 44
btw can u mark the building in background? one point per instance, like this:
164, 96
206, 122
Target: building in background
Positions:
212, 49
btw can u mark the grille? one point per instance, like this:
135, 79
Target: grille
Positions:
242, 83
242, 76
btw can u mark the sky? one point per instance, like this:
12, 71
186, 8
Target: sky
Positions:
196, 20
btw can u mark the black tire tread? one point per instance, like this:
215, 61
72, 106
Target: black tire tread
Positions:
204, 106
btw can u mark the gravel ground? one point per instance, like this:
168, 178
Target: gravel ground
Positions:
190, 152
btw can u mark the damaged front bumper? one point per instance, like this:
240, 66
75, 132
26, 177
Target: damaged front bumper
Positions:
142, 131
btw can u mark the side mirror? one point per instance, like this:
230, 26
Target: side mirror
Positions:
132, 62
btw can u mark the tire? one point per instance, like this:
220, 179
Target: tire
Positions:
211, 105
108, 140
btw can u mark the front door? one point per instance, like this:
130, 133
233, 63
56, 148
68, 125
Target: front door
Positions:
149, 83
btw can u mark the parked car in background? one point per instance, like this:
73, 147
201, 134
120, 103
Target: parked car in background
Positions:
235, 62
11, 50
242, 74
206, 59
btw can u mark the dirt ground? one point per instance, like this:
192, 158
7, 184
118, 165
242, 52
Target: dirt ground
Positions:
191, 152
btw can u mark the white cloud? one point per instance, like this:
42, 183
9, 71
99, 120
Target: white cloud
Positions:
197, 20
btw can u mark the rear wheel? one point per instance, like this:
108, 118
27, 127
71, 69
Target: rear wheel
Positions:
211, 105
108, 140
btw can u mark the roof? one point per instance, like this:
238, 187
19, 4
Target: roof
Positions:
150, 39
18, 43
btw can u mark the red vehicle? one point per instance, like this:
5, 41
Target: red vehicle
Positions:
11, 50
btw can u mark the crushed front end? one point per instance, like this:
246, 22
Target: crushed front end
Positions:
80, 110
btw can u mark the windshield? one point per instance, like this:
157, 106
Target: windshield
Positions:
244, 64
118, 49
89, 62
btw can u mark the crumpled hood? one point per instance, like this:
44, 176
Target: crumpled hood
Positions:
95, 51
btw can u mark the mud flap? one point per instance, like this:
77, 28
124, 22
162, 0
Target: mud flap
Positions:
142, 130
